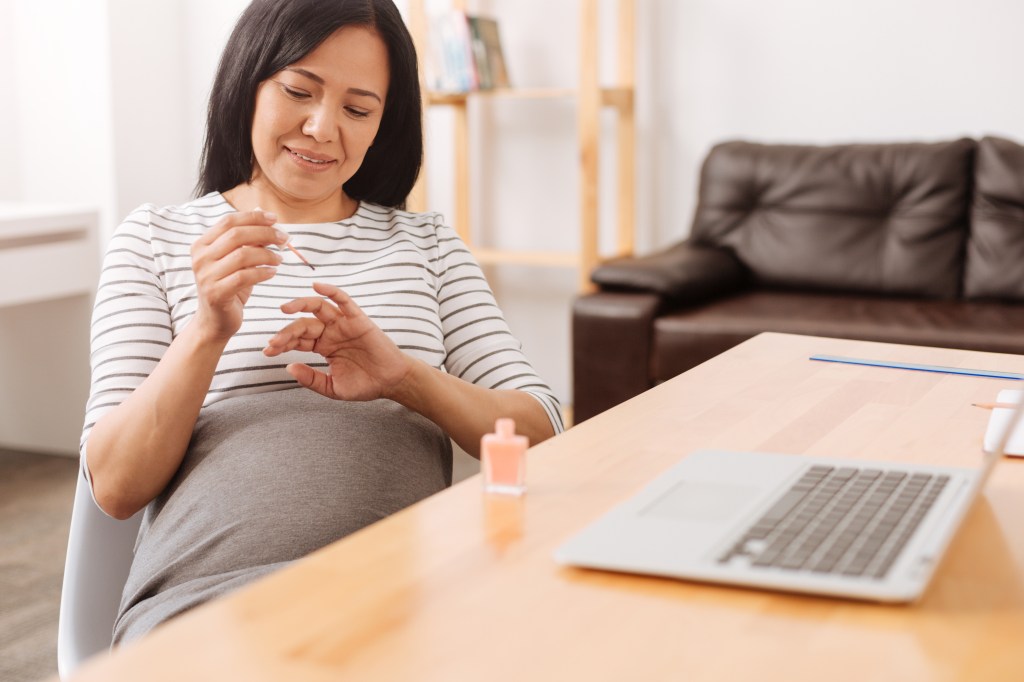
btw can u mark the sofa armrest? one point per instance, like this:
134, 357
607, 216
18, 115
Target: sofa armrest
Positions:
684, 273
611, 349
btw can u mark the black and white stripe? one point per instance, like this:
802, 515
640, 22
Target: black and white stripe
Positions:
409, 272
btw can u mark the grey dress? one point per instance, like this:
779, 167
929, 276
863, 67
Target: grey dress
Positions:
267, 479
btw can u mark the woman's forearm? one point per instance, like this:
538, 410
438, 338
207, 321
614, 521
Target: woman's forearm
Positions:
465, 411
135, 449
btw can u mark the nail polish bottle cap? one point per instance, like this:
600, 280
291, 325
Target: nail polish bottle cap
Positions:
505, 428
505, 437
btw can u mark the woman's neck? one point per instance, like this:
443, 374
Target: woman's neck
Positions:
250, 196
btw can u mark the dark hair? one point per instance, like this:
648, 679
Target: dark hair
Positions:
270, 35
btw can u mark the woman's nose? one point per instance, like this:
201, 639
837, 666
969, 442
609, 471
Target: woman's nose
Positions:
320, 125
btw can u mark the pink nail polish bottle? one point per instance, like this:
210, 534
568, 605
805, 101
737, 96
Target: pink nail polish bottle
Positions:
503, 459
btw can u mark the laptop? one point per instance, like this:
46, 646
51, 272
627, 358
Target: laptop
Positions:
846, 528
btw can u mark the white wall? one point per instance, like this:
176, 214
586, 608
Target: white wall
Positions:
57, 136
61, 99
115, 92
163, 57
148, 91
10, 183
204, 32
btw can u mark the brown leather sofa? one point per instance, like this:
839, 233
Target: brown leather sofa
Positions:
919, 243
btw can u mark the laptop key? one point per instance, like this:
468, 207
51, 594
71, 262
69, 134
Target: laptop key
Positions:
783, 507
879, 535
924, 505
819, 524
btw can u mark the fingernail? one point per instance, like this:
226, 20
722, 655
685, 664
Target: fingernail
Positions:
270, 215
281, 236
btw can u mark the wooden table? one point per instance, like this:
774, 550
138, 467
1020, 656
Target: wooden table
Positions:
463, 586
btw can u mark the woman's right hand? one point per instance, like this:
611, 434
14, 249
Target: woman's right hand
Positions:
228, 261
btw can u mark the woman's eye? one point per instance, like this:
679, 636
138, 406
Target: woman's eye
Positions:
295, 94
358, 113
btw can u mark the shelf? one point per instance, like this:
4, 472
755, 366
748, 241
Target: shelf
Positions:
457, 98
541, 258
589, 97
554, 259
620, 97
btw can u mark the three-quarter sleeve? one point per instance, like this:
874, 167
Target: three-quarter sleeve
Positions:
479, 344
131, 321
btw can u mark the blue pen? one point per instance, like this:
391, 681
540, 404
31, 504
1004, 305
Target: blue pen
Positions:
920, 368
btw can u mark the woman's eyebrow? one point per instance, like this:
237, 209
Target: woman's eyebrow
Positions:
364, 93
320, 81
308, 74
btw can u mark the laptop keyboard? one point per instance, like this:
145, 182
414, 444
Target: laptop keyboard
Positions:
840, 520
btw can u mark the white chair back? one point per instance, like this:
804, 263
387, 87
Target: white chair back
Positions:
100, 551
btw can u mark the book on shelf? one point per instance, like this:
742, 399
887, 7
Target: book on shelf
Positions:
464, 53
489, 58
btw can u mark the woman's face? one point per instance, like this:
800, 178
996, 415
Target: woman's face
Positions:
315, 119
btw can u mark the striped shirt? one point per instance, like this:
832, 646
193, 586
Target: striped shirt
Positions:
410, 273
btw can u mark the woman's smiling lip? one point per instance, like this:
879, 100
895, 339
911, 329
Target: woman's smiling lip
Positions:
310, 160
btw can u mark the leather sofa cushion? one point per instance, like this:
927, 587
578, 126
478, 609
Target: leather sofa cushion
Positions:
692, 335
682, 272
995, 252
881, 218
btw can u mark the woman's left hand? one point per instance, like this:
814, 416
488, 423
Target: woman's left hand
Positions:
363, 363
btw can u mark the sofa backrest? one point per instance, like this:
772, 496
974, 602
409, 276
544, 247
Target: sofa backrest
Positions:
995, 251
882, 218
